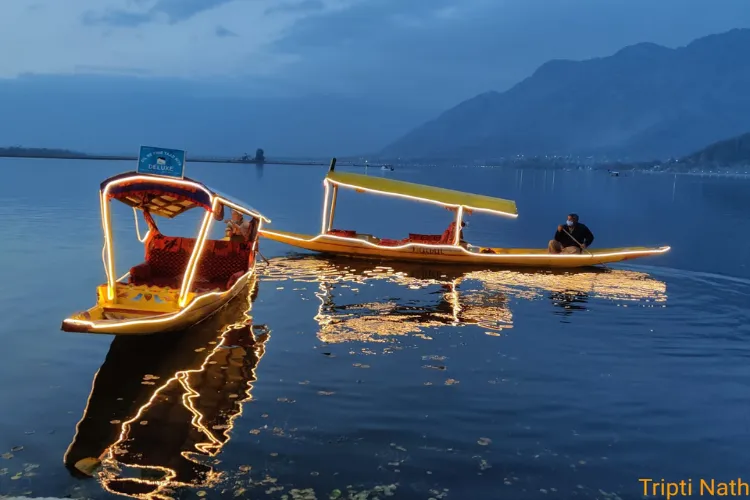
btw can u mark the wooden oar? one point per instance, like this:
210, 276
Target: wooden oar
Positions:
261, 256
584, 248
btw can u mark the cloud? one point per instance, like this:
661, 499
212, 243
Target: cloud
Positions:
221, 31
162, 38
445, 51
299, 6
439, 51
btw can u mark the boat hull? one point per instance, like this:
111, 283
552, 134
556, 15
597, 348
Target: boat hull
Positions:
129, 317
449, 254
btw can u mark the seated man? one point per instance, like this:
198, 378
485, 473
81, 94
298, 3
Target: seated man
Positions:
238, 229
574, 237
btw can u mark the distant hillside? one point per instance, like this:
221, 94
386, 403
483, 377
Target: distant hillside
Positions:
730, 152
644, 102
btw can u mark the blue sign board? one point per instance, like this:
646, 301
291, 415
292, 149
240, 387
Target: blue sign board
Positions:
161, 161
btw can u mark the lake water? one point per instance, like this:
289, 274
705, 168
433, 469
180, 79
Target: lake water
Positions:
353, 379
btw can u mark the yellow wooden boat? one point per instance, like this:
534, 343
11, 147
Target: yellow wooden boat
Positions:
446, 248
183, 280
159, 424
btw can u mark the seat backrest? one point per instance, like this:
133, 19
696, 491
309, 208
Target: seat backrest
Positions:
425, 238
343, 232
168, 256
449, 235
221, 259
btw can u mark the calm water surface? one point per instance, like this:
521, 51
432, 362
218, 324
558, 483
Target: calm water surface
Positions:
352, 379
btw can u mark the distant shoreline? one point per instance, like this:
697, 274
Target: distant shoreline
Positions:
622, 169
64, 155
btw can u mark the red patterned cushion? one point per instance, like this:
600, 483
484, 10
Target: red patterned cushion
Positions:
449, 235
222, 262
343, 232
222, 259
386, 242
168, 256
424, 238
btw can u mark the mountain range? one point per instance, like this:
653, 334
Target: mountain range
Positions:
729, 152
644, 102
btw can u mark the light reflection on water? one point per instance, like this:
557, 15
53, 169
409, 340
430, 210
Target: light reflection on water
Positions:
420, 382
478, 297
161, 408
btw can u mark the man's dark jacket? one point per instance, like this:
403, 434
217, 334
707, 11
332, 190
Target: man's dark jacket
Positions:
579, 231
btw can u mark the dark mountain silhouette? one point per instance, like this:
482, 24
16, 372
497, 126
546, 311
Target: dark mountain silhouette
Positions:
646, 101
729, 152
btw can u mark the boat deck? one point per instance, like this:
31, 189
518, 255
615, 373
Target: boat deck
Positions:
412, 249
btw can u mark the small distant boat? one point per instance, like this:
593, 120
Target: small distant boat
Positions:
614, 173
447, 247
183, 280
387, 167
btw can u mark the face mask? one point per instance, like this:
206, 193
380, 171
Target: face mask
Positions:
570, 223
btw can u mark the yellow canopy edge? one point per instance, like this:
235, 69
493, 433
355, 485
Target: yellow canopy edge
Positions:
447, 197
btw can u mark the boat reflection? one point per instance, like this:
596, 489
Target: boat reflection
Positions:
384, 320
571, 291
612, 284
161, 407
465, 296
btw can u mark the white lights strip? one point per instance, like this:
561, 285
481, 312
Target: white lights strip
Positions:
417, 198
463, 250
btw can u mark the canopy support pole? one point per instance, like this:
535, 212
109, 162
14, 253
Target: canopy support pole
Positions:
333, 206
109, 258
459, 220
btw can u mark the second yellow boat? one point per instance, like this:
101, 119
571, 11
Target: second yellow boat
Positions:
446, 248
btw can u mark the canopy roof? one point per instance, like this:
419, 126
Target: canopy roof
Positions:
165, 196
446, 197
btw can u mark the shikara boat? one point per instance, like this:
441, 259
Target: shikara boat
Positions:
445, 248
183, 280
162, 407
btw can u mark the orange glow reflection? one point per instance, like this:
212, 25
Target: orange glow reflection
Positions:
463, 297
161, 407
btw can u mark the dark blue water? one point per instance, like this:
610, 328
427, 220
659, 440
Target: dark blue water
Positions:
351, 379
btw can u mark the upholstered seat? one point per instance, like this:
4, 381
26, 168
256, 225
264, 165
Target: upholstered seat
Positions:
167, 257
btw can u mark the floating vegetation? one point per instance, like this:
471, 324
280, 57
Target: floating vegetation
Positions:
306, 494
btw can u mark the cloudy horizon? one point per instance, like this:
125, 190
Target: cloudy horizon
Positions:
423, 57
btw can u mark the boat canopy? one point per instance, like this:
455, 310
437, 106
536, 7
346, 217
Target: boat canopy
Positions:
446, 197
167, 197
